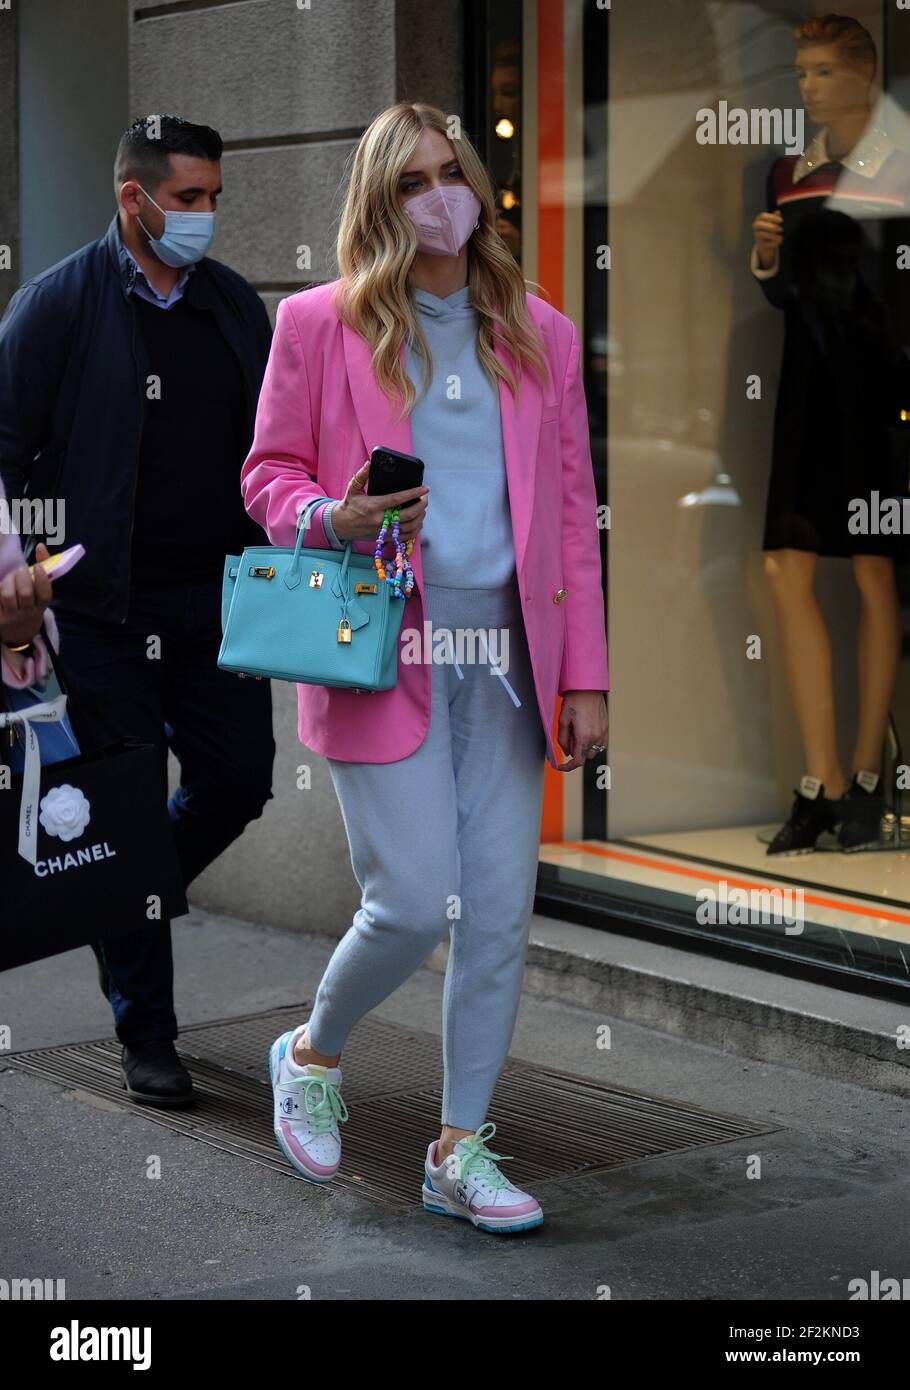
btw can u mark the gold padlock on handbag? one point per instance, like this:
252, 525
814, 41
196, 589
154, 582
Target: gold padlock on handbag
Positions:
344, 630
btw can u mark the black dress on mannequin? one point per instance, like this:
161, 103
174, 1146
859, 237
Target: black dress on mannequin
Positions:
845, 373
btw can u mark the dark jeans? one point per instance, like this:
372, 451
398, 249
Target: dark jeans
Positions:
219, 728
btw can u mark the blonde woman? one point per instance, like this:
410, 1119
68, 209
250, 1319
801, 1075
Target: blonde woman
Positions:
429, 344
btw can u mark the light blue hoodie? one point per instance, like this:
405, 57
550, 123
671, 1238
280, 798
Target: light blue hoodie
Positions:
466, 538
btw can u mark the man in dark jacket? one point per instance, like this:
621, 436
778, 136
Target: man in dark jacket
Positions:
129, 376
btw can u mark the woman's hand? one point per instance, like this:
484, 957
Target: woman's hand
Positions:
23, 600
359, 516
767, 228
582, 723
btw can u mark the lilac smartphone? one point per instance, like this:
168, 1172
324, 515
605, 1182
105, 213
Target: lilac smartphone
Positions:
55, 566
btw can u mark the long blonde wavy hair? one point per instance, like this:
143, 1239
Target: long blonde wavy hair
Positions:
377, 243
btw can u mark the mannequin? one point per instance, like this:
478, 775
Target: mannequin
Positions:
844, 378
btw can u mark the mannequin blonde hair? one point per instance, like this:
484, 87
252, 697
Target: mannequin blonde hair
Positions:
377, 244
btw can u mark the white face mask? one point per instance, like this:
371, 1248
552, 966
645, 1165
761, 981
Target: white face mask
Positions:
186, 236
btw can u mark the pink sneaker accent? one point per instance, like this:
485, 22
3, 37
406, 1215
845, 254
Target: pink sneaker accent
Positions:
468, 1185
307, 1109
327, 1170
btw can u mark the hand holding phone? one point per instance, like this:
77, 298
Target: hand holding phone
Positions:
61, 563
25, 595
391, 472
360, 515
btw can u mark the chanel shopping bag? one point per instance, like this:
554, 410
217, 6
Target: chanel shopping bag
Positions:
86, 847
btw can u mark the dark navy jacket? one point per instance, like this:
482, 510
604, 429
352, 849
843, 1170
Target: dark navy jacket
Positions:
72, 392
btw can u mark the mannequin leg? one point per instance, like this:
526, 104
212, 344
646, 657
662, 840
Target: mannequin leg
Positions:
878, 652
807, 654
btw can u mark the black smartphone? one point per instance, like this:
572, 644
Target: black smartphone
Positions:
392, 471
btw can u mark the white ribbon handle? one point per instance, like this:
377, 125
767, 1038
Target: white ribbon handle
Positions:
50, 712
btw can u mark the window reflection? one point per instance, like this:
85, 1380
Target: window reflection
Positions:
504, 121
750, 338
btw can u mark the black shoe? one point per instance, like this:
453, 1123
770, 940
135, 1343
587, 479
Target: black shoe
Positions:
154, 1074
861, 809
812, 814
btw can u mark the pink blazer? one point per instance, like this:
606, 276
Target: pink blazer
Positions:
320, 415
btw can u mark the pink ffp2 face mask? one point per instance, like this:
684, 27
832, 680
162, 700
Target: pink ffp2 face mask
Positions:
444, 218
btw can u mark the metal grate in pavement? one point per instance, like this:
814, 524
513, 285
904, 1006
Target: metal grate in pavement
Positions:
379, 1057
393, 1087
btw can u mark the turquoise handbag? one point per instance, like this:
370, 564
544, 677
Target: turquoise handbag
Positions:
317, 617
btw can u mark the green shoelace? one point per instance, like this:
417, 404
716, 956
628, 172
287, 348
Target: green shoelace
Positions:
477, 1158
327, 1109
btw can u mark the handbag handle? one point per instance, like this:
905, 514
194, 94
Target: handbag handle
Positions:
293, 576
55, 667
6, 705
309, 507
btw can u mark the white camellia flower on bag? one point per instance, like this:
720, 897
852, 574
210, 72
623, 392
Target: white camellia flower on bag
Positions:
65, 812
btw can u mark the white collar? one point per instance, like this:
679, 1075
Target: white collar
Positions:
866, 158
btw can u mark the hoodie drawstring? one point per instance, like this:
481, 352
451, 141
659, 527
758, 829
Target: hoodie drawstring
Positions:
494, 667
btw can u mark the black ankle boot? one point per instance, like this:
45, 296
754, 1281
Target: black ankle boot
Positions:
154, 1074
861, 809
812, 814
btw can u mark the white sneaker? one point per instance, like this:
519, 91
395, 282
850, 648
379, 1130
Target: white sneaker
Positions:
469, 1185
307, 1109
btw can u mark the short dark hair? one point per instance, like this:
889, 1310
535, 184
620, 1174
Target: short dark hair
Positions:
144, 150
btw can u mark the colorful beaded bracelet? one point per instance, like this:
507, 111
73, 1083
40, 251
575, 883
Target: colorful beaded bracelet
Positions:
403, 553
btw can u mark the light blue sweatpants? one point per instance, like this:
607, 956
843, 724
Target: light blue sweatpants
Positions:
447, 840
